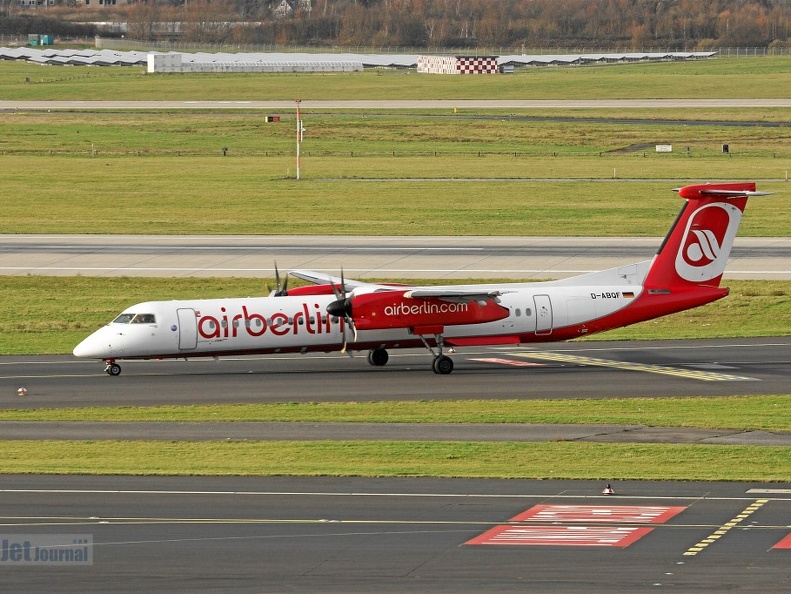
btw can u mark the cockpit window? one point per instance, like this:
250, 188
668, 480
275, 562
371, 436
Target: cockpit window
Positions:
130, 318
144, 318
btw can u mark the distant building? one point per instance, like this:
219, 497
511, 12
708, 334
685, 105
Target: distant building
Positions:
287, 8
105, 3
457, 64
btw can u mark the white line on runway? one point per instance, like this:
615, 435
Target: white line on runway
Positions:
622, 496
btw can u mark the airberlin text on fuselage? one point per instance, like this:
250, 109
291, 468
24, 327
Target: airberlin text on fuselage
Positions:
405, 309
255, 324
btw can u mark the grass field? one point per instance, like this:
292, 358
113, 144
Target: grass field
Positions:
757, 77
218, 195
468, 173
747, 413
396, 459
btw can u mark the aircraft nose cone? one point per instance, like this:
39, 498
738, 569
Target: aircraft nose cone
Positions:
340, 308
82, 350
91, 348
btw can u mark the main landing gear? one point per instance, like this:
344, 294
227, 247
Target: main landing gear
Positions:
112, 368
442, 364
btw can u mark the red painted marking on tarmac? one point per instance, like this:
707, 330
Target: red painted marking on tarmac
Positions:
784, 544
631, 514
566, 536
509, 362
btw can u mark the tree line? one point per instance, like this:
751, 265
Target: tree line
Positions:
637, 24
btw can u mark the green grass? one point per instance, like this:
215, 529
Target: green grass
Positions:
557, 460
398, 459
402, 133
48, 314
745, 413
134, 173
215, 195
758, 77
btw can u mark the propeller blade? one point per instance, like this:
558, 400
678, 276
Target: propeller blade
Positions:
281, 290
342, 308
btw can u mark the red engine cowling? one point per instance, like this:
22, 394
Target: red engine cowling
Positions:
379, 311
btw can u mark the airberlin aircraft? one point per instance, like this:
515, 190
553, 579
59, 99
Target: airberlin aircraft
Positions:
337, 314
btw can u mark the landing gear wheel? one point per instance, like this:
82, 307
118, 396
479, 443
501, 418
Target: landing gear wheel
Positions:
113, 369
378, 357
442, 365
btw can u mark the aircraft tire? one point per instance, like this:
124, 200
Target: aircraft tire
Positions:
378, 357
442, 365
113, 369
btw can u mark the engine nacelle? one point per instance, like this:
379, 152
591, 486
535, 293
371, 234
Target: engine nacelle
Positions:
392, 309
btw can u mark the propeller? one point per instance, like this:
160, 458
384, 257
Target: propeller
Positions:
281, 290
342, 308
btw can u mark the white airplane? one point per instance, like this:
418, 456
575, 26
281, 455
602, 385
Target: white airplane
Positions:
335, 314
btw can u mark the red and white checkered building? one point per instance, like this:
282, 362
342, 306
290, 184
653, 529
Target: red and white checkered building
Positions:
457, 64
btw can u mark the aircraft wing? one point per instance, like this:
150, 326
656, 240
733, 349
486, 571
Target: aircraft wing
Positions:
320, 278
453, 295
445, 294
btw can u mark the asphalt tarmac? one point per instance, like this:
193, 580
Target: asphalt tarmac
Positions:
281, 534
361, 257
567, 370
592, 369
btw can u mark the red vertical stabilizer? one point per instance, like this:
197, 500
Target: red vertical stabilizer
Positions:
698, 245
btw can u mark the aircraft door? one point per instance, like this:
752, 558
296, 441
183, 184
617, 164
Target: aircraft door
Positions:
188, 329
543, 314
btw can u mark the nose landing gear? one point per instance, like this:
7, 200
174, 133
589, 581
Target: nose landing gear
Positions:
112, 367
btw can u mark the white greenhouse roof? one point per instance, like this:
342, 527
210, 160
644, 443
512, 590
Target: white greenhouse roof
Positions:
307, 61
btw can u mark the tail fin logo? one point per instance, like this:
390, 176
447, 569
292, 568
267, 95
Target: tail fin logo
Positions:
707, 242
704, 248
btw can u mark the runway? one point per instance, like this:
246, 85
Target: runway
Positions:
362, 257
280, 534
599, 369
